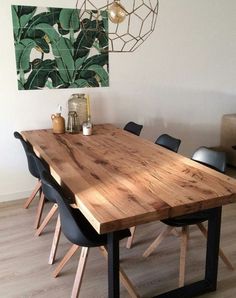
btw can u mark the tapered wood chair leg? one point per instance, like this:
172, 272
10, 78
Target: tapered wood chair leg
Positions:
175, 232
164, 233
130, 239
123, 277
55, 241
65, 259
46, 220
127, 284
32, 196
39, 211
221, 253
80, 272
183, 253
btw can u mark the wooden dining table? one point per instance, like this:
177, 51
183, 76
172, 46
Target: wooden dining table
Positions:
119, 180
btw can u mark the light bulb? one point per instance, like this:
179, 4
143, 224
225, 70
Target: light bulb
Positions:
116, 12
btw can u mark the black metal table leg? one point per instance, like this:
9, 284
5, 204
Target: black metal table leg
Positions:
113, 266
213, 243
210, 282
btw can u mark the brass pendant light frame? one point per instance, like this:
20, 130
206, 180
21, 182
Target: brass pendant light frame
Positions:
127, 36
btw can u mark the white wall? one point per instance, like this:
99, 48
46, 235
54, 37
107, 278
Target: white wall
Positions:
181, 81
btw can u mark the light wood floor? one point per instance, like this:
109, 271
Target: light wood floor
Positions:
24, 271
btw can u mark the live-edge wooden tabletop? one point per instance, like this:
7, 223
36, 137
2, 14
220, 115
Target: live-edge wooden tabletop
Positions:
120, 180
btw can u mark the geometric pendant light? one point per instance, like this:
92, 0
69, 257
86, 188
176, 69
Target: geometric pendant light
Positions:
117, 25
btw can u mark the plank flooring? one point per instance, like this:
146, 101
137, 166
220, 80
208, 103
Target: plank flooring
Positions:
24, 271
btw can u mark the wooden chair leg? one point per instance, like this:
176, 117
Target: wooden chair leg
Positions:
130, 239
127, 284
80, 272
157, 241
175, 232
65, 259
123, 277
221, 253
55, 241
32, 196
46, 220
183, 252
39, 211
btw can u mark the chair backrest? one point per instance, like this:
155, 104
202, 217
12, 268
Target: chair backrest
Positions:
29, 154
211, 158
76, 228
134, 128
42, 167
168, 142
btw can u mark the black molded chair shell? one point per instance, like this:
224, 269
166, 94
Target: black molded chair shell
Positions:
168, 142
29, 154
187, 220
75, 226
42, 167
210, 158
134, 128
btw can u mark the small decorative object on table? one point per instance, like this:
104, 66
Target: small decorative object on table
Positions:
58, 122
87, 129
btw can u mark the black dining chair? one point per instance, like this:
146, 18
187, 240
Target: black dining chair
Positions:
79, 232
216, 161
42, 167
35, 173
170, 143
133, 127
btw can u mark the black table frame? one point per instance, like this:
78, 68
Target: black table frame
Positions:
208, 284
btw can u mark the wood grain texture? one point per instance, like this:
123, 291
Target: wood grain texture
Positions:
80, 272
119, 180
55, 241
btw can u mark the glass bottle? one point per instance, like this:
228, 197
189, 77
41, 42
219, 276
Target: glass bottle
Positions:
72, 123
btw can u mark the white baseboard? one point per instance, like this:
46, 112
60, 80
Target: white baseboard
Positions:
15, 196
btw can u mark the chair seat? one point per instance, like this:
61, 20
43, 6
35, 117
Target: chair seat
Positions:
92, 238
134, 128
186, 220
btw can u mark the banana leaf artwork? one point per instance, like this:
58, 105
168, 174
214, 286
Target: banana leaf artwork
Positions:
56, 49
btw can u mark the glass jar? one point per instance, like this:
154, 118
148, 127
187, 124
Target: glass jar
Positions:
78, 103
